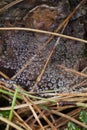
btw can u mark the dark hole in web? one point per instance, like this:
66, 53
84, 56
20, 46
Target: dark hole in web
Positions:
8, 71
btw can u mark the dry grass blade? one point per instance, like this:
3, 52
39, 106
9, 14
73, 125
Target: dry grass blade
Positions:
5, 86
16, 107
42, 115
78, 85
34, 113
10, 5
46, 119
72, 71
10, 123
84, 69
5, 90
61, 121
4, 75
44, 32
69, 118
73, 94
23, 122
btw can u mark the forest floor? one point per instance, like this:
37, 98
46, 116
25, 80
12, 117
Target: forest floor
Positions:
47, 69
